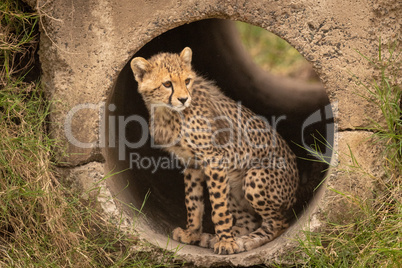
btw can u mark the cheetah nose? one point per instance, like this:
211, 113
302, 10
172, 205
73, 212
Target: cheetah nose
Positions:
182, 100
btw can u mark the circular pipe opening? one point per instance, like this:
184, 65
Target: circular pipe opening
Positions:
152, 179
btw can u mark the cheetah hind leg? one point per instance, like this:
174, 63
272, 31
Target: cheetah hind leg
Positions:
186, 236
208, 240
266, 200
245, 223
270, 229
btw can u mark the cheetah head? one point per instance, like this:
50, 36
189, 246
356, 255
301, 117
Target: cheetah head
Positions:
165, 79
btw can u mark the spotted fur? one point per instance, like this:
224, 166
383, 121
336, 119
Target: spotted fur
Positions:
248, 169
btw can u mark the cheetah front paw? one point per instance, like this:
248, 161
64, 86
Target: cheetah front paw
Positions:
186, 236
226, 247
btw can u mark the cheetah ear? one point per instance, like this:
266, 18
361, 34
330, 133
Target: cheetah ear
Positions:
186, 56
140, 66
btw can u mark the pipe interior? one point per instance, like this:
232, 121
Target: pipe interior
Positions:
218, 55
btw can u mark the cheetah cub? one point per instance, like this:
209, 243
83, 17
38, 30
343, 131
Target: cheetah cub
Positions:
248, 169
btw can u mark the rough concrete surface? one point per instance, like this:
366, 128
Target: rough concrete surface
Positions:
85, 46
86, 43
89, 180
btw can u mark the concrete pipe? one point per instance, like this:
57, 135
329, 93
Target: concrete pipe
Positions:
99, 116
219, 55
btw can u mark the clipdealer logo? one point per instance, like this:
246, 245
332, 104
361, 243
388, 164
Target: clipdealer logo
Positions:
117, 126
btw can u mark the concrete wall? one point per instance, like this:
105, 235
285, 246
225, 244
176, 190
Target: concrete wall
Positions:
86, 45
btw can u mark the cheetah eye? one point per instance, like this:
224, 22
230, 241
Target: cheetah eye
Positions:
187, 81
167, 84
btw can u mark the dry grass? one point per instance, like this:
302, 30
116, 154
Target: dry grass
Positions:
42, 223
18, 39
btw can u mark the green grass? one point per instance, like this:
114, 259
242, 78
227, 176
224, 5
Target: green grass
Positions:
274, 54
42, 222
18, 38
385, 94
372, 236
